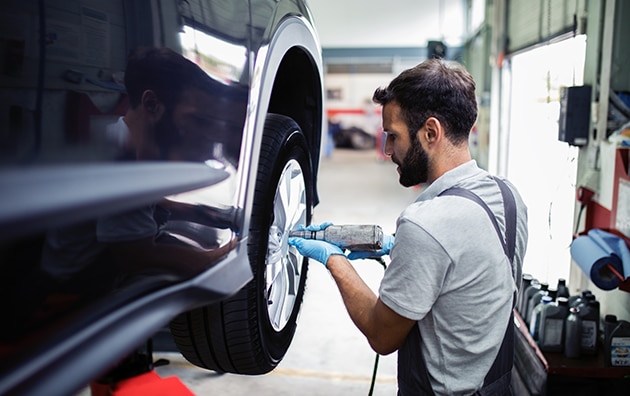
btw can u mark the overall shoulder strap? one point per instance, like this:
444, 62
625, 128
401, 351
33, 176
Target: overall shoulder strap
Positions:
497, 380
509, 207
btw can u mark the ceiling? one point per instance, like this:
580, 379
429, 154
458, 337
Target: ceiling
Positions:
392, 23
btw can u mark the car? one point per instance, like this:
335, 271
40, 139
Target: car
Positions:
354, 138
222, 187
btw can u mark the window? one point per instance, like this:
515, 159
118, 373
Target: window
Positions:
543, 168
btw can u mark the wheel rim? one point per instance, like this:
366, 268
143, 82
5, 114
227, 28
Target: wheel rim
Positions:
283, 262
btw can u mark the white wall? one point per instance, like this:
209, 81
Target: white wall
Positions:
395, 23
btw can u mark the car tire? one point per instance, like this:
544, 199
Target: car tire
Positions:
250, 332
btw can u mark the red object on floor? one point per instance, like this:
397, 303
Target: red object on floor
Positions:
145, 384
151, 384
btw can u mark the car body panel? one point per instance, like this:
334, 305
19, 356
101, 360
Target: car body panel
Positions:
63, 170
39, 203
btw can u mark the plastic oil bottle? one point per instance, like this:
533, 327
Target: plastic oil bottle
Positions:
563, 290
552, 319
534, 322
620, 345
589, 316
576, 299
610, 323
572, 338
533, 287
526, 281
552, 292
535, 300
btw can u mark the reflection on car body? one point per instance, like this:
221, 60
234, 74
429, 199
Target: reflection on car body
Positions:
161, 197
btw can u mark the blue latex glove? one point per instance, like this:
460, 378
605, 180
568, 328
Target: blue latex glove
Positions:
317, 250
315, 227
388, 242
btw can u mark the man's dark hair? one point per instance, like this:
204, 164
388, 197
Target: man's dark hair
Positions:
434, 89
164, 71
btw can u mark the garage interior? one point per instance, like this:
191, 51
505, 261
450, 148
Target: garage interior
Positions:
521, 54
553, 89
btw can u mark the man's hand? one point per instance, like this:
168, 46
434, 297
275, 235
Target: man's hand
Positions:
315, 227
388, 242
317, 250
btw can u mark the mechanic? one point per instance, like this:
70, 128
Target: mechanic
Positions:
445, 301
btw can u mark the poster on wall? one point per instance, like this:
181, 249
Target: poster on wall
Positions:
63, 41
95, 37
622, 221
85, 44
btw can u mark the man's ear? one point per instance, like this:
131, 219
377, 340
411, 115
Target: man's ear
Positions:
433, 130
152, 104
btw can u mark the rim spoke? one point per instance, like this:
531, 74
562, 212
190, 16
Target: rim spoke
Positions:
282, 272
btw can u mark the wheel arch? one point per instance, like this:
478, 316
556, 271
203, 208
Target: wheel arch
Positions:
297, 93
287, 79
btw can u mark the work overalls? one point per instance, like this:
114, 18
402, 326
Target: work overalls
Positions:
413, 377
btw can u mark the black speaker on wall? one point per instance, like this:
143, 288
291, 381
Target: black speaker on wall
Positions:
436, 49
575, 112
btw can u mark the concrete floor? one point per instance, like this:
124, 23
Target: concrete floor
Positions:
328, 356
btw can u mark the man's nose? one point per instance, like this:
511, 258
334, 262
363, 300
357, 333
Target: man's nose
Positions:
387, 147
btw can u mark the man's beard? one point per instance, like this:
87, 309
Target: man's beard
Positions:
415, 166
166, 134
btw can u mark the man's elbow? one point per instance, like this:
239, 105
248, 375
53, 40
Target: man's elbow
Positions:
384, 347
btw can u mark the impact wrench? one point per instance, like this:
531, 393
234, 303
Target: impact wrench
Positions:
352, 236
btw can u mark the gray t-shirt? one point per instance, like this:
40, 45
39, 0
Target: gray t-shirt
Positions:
449, 272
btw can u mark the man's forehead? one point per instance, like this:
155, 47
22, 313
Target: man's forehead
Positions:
391, 113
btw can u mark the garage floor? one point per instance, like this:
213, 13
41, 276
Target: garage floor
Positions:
328, 356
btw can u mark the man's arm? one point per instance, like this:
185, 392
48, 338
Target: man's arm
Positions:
384, 329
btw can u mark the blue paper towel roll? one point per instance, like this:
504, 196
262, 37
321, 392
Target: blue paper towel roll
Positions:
594, 252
